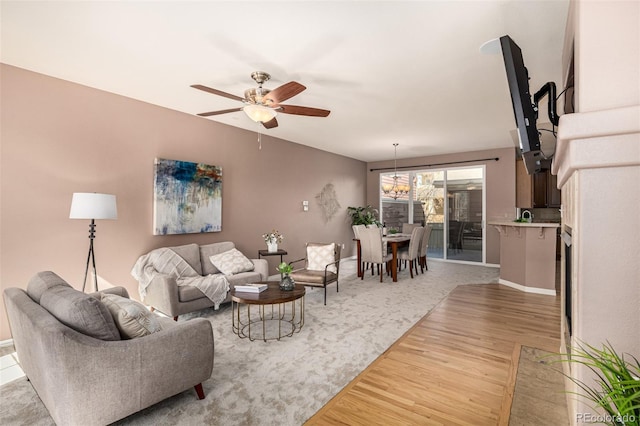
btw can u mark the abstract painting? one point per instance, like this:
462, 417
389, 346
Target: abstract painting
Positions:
187, 198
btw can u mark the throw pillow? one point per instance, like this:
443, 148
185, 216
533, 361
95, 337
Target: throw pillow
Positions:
132, 318
42, 282
231, 262
81, 312
318, 257
208, 250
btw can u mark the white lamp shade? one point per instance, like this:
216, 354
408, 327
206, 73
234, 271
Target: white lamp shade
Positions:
89, 205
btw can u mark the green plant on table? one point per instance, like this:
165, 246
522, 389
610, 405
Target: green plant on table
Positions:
363, 216
285, 268
617, 383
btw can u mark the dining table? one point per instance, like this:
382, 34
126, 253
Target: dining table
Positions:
394, 241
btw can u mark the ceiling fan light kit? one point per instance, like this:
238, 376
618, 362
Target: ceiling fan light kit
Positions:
262, 105
259, 113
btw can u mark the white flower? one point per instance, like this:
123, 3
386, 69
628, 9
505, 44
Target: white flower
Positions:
273, 237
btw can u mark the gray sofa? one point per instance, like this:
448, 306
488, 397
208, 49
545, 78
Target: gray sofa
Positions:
71, 350
164, 294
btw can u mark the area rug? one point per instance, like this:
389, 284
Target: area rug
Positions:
285, 382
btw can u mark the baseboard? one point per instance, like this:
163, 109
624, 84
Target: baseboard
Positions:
526, 289
4, 343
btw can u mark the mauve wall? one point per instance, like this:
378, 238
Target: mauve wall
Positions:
500, 184
58, 138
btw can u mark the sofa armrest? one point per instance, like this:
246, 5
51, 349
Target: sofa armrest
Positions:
162, 294
261, 266
118, 291
142, 369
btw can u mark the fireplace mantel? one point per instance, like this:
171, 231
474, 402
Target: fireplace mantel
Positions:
607, 138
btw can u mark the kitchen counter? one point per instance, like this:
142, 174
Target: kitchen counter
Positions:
525, 224
528, 255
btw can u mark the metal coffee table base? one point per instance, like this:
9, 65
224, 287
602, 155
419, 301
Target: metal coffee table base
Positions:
268, 321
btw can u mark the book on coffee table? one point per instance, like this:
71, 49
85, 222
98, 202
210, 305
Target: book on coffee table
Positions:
251, 288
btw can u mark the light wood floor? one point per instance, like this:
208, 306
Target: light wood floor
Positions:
456, 366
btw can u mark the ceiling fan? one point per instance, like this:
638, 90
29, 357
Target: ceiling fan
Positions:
262, 105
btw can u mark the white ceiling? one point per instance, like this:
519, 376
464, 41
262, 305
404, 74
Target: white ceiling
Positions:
406, 72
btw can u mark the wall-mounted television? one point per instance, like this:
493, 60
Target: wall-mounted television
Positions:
525, 108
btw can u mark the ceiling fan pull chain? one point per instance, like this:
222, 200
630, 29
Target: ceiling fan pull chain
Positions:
260, 141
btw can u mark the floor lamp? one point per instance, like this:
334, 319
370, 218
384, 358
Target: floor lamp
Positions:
89, 205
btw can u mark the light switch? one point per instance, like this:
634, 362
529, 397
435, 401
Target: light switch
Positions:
305, 206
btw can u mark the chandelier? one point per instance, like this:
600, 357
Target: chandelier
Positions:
396, 190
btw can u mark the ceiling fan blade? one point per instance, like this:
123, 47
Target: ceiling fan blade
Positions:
284, 92
223, 111
271, 123
217, 92
302, 110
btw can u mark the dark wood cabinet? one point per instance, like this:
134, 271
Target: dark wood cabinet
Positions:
537, 191
554, 195
540, 189
524, 187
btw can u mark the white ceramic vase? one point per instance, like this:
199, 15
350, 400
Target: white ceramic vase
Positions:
272, 247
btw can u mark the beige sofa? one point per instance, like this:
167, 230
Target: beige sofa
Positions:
164, 294
71, 350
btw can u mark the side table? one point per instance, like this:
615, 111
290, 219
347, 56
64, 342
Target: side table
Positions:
266, 253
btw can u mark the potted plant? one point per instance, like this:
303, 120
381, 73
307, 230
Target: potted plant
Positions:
286, 283
272, 239
616, 388
363, 215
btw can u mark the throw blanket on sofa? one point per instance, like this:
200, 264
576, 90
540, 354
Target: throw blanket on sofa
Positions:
166, 261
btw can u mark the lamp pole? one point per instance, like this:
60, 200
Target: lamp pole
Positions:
91, 257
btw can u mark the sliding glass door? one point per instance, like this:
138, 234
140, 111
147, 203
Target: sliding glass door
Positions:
466, 218
451, 201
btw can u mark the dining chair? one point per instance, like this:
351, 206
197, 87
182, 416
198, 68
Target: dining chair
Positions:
455, 235
408, 227
410, 253
424, 246
356, 234
373, 250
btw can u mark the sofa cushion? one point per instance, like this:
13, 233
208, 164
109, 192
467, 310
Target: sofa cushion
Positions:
132, 318
41, 282
244, 278
319, 256
231, 262
187, 293
208, 250
81, 312
190, 253
306, 276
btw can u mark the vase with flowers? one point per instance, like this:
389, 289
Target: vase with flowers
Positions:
286, 282
272, 239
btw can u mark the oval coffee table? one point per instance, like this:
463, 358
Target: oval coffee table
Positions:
285, 317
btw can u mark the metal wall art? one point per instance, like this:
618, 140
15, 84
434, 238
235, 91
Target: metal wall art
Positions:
328, 201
